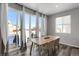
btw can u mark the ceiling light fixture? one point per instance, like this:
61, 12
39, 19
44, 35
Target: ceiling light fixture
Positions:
56, 6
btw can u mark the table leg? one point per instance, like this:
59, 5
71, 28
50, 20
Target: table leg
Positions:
39, 50
31, 49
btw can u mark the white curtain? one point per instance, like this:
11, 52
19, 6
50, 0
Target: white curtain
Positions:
44, 25
30, 27
37, 24
23, 28
4, 9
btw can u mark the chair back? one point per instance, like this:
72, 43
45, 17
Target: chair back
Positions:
57, 41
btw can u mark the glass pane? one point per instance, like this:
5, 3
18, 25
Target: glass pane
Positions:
27, 26
12, 22
66, 29
19, 28
66, 19
40, 26
44, 26
59, 20
33, 26
59, 28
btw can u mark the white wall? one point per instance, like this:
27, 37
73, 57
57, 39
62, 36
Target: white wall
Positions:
68, 39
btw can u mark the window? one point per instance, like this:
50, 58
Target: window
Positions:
27, 21
18, 27
33, 26
13, 27
42, 26
63, 24
12, 18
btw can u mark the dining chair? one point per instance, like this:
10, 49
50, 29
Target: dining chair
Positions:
45, 49
51, 47
41, 48
31, 48
56, 46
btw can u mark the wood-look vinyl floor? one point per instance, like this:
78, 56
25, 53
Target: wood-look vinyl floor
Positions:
63, 51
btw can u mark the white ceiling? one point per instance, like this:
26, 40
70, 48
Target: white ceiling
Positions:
51, 8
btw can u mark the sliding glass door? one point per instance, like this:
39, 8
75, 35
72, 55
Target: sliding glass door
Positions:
27, 24
31, 29
33, 26
42, 26
12, 23
13, 28
30, 26
18, 29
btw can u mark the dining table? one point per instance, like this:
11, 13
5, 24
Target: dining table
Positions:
42, 40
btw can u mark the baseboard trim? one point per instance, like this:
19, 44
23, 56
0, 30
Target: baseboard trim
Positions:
73, 46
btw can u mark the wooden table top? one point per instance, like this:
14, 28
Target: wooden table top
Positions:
42, 40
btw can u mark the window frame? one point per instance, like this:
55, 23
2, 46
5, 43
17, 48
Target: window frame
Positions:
19, 13
63, 24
